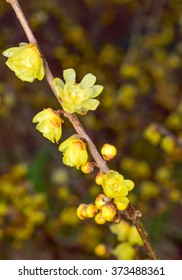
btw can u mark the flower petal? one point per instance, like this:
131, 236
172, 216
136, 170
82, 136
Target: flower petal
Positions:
87, 81
58, 83
69, 75
41, 73
97, 89
91, 104
11, 51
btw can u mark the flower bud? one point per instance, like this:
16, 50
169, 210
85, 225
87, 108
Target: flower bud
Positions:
81, 211
108, 211
98, 178
99, 201
99, 219
88, 167
91, 210
25, 61
108, 151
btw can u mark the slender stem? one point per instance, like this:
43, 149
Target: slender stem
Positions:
146, 240
79, 129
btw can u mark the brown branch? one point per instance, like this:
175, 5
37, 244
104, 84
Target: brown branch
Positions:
78, 127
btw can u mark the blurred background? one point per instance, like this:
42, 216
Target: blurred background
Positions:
134, 48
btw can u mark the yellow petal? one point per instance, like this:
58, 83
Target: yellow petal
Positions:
87, 81
90, 104
97, 89
69, 75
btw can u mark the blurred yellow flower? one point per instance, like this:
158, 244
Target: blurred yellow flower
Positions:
134, 237
78, 97
50, 124
74, 152
25, 61
124, 251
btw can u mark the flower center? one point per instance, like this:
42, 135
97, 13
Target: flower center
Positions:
76, 94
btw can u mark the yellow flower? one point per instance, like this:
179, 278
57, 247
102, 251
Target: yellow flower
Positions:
114, 185
121, 230
74, 152
25, 61
77, 97
124, 251
50, 124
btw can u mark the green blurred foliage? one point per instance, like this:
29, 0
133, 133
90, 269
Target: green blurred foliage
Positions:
134, 48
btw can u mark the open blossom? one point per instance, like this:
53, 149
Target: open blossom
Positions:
115, 186
74, 152
25, 61
50, 124
78, 97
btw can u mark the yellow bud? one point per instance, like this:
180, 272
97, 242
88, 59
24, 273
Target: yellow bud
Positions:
91, 210
81, 211
25, 61
108, 151
88, 167
99, 219
108, 211
98, 178
99, 201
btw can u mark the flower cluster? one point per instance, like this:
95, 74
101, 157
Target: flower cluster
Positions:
74, 152
78, 97
25, 61
115, 186
50, 124
113, 199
